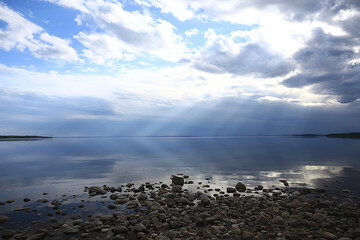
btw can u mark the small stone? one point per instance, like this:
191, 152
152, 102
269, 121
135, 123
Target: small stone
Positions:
112, 206
240, 187
120, 229
295, 204
27, 199
328, 235
78, 222
8, 233
139, 227
177, 188
171, 234
230, 190
278, 220
70, 230
10, 201
42, 200
3, 219
21, 209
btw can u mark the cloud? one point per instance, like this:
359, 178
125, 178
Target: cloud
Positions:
223, 55
23, 34
192, 32
330, 65
127, 33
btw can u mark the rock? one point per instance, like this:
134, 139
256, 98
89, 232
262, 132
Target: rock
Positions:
121, 200
142, 196
284, 182
164, 185
205, 201
259, 188
230, 190
3, 219
114, 196
139, 227
296, 193
21, 209
112, 206
27, 199
261, 220
107, 218
328, 235
177, 188
278, 220
247, 235
42, 200
129, 185
120, 229
171, 234
177, 180
240, 187
8, 233
295, 204
96, 190
70, 230
78, 222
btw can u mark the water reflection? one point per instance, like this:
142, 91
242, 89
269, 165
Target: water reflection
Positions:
69, 164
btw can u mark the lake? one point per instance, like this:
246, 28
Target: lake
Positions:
65, 165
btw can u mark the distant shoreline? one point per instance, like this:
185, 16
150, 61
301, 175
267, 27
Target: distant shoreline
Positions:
331, 135
21, 137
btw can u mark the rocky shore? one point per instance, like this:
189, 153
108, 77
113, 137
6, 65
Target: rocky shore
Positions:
171, 211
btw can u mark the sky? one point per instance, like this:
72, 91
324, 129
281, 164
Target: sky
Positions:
179, 67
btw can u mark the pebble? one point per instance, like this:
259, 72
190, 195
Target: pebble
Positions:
139, 227
8, 233
3, 219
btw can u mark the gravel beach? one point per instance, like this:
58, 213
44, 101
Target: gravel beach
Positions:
171, 211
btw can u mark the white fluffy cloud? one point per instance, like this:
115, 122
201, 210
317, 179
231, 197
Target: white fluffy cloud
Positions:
124, 32
22, 34
192, 32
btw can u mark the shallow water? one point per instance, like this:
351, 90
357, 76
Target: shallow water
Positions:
65, 165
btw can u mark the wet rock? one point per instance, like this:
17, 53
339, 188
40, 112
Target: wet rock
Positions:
112, 206
96, 190
139, 227
284, 182
42, 200
142, 196
8, 233
114, 196
70, 230
240, 187
230, 190
3, 219
27, 199
78, 222
120, 229
177, 188
21, 209
177, 180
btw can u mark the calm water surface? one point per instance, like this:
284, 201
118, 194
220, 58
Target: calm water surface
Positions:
66, 165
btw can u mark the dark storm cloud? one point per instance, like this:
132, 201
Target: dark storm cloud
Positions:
251, 59
326, 64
